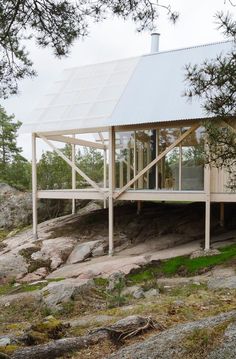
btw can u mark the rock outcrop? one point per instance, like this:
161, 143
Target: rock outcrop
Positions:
15, 207
169, 343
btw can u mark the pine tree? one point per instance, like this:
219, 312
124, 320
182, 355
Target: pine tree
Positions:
57, 24
214, 83
8, 135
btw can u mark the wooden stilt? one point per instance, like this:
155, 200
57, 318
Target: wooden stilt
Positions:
34, 187
139, 207
135, 158
73, 174
111, 188
105, 174
207, 207
121, 170
222, 214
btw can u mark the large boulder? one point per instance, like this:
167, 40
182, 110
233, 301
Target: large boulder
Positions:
55, 249
83, 251
15, 207
12, 265
56, 293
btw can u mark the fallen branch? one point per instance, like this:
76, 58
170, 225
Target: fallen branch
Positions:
130, 326
59, 347
121, 330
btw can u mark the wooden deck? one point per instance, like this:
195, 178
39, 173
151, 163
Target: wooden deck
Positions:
138, 195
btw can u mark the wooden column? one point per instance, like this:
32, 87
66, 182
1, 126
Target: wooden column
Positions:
73, 172
207, 206
140, 165
128, 163
111, 188
180, 163
157, 165
105, 174
135, 158
222, 214
121, 173
34, 187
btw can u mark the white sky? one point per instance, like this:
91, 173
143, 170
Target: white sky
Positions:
115, 39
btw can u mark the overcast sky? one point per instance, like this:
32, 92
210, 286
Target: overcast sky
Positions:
114, 39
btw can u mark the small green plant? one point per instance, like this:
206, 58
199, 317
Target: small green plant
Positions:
114, 297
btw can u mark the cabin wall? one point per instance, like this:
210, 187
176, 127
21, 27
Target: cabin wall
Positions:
219, 180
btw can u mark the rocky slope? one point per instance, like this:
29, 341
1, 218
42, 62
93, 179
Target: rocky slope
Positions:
66, 274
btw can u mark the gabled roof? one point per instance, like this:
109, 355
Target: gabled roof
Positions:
137, 90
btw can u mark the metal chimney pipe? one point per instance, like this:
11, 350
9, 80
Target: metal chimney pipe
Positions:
155, 39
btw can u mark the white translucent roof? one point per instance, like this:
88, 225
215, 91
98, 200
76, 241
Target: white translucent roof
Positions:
138, 90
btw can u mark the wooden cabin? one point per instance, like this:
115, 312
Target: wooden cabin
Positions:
151, 136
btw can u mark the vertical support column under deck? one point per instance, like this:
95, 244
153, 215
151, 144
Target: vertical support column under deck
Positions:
73, 174
180, 166
121, 173
135, 158
207, 206
222, 214
157, 165
105, 175
111, 188
34, 187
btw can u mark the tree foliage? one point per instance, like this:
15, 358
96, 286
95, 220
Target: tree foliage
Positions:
14, 168
214, 83
53, 172
8, 130
57, 23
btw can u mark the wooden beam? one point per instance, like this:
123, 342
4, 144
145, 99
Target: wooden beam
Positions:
157, 159
81, 173
157, 125
75, 141
34, 187
86, 193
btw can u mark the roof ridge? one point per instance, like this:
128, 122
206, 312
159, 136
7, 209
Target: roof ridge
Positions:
189, 47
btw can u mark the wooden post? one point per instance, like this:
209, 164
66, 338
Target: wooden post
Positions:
148, 161
207, 206
34, 187
180, 165
121, 173
222, 214
73, 174
111, 188
135, 158
128, 163
105, 175
157, 165
139, 207
140, 165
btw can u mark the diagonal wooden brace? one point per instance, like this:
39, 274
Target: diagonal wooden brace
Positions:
76, 141
70, 163
157, 159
